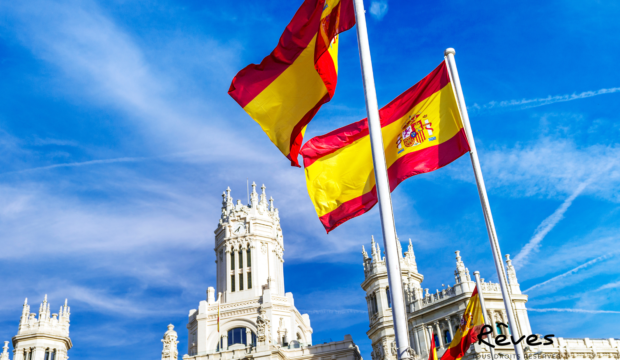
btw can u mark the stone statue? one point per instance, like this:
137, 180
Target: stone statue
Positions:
170, 351
262, 324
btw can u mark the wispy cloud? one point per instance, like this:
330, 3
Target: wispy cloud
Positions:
546, 226
586, 311
571, 271
511, 105
378, 9
82, 163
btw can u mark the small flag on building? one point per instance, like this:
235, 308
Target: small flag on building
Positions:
422, 131
432, 353
286, 90
471, 325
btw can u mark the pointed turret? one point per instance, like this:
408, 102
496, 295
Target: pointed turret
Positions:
5, 351
461, 274
373, 248
511, 272
364, 253
263, 196
253, 196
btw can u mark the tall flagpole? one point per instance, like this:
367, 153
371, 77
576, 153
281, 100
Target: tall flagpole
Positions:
383, 187
483, 308
484, 200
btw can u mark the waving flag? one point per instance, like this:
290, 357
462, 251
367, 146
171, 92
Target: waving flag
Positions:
422, 131
471, 325
286, 90
432, 353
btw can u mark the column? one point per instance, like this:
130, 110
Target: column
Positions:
236, 254
225, 341
419, 345
427, 335
450, 328
438, 333
227, 269
248, 337
18, 354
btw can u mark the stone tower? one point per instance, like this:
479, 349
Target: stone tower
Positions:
378, 297
45, 338
251, 304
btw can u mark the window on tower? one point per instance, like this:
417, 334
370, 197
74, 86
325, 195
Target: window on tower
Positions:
240, 258
389, 296
249, 279
436, 338
232, 283
232, 260
249, 261
241, 281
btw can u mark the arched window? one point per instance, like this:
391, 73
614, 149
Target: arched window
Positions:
446, 336
375, 308
249, 256
237, 336
232, 260
389, 296
240, 258
436, 338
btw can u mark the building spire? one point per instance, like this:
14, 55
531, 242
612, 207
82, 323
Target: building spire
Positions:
253, 196
373, 248
364, 253
461, 274
512, 274
5, 351
270, 203
263, 196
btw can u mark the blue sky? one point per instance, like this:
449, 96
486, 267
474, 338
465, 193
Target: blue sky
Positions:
117, 138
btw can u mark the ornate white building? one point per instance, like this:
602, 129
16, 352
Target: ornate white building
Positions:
45, 338
248, 314
440, 313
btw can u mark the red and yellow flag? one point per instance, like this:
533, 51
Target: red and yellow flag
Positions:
422, 131
471, 325
432, 353
286, 90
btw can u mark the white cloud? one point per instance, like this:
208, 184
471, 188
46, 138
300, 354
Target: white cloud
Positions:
530, 103
546, 226
378, 9
571, 271
548, 168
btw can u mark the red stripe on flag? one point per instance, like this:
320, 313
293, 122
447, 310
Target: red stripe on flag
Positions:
422, 161
253, 79
323, 145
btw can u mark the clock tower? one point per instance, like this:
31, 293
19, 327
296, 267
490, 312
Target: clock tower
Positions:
249, 248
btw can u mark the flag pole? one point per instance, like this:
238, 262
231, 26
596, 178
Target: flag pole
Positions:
484, 200
392, 257
484, 308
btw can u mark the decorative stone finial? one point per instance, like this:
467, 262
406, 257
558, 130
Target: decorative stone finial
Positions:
511, 272
5, 351
364, 253
270, 203
170, 351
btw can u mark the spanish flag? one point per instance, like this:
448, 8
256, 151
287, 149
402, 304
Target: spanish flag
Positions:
471, 325
422, 131
286, 90
432, 353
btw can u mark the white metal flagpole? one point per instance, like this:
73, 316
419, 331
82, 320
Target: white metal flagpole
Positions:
383, 188
483, 308
484, 200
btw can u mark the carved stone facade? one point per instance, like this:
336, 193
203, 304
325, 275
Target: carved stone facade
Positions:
42, 338
170, 351
257, 318
440, 313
